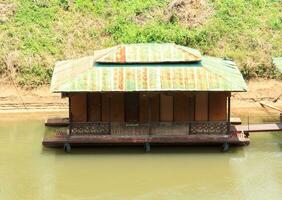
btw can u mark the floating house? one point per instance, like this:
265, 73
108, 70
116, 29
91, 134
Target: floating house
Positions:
147, 94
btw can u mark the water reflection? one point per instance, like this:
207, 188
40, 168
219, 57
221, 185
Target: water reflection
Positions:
30, 171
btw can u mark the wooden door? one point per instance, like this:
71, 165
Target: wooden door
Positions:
94, 107
166, 108
105, 109
117, 107
131, 107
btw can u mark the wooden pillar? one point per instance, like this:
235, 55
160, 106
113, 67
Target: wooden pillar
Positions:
87, 113
228, 113
110, 113
150, 113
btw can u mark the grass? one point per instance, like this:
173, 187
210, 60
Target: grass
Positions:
43, 31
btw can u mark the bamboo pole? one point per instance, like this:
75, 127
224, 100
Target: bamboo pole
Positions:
270, 106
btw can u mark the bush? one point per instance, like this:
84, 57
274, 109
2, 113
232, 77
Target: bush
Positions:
248, 31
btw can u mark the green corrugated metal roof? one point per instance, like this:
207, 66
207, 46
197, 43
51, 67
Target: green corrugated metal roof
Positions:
150, 53
278, 63
85, 74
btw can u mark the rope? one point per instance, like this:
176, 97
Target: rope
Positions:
18, 93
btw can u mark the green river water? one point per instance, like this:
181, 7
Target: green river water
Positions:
28, 171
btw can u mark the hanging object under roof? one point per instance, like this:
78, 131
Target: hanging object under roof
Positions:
150, 53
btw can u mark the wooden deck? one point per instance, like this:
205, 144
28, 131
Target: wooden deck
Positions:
251, 128
60, 139
57, 122
238, 136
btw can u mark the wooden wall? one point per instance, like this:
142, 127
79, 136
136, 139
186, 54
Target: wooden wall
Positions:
134, 107
78, 106
217, 106
105, 107
201, 106
166, 107
155, 108
94, 103
143, 108
184, 107
117, 107
144, 101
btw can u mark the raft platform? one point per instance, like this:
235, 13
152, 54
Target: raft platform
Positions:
57, 122
60, 139
239, 136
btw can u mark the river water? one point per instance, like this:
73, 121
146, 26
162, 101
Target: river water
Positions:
29, 171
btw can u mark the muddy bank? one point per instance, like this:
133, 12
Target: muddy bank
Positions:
16, 100
41, 100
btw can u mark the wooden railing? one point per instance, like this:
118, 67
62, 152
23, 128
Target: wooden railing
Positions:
161, 128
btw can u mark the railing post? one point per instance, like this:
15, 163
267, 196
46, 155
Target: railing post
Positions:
190, 124
110, 128
70, 128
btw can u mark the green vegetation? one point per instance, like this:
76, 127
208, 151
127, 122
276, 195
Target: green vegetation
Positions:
43, 31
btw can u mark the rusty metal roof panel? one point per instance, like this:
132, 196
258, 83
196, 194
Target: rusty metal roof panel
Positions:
278, 63
85, 75
150, 53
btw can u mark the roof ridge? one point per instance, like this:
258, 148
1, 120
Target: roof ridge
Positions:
192, 51
106, 53
150, 53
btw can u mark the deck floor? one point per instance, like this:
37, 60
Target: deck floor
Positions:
237, 137
257, 127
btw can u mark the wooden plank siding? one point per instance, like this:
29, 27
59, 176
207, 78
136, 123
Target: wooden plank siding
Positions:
183, 107
131, 107
191, 108
166, 108
78, 107
201, 106
105, 115
117, 107
134, 107
180, 108
143, 108
217, 106
94, 107
155, 108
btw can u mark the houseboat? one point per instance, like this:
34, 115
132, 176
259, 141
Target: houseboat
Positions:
147, 94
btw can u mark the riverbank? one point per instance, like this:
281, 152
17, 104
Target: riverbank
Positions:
41, 101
